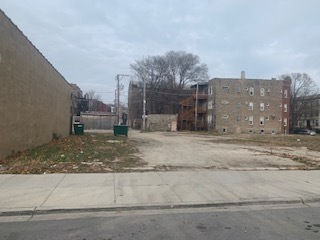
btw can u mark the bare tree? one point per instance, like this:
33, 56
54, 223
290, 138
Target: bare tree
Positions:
302, 88
169, 72
185, 67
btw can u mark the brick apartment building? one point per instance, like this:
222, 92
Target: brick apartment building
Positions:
235, 105
307, 110
248, 105
193, 110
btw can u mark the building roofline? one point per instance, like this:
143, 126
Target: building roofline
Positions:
199, 84
248, 79
33, 45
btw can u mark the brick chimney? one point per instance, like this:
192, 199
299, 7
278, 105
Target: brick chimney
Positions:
243, 75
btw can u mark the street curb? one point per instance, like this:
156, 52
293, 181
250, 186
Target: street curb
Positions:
157, 207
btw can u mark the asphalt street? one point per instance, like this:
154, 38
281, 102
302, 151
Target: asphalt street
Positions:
285, 223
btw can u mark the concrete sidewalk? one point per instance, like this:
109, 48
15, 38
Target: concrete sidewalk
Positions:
32, 194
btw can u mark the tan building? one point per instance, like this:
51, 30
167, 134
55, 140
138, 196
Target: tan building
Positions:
35, 100
241, 105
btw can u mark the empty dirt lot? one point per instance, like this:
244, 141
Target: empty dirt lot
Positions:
174, 151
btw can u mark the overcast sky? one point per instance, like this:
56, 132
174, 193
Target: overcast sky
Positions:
91, 41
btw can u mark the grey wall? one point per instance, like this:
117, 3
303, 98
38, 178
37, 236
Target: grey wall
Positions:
162, 122
98, 121
35, 100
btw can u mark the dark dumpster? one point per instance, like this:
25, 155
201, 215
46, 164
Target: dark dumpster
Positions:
78, 128
120, 130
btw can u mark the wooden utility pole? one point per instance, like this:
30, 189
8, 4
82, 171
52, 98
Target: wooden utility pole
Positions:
118, 95
196, 109
144, 106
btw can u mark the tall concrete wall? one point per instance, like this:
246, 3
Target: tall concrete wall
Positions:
35, 100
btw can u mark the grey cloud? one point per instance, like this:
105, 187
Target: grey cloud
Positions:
90, 42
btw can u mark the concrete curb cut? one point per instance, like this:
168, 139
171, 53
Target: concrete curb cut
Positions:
157, 207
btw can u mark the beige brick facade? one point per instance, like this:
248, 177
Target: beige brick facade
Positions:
248, 105
35, 100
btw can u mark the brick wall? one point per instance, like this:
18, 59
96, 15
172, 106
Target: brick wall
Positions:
248, 105
35, 100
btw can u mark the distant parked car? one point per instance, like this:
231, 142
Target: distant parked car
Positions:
306, 132
297, 130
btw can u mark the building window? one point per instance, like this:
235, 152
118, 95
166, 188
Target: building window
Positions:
210, 105
225, 116
238, 118
267, 104
225, 102
261, 120
224, 130
285, 107
285, 93
250, 130
261, 106
262, 92
250, 105
285, 122
250, 120
209, 119
225, 88
210, 90
267, 118
251, 91
238, 89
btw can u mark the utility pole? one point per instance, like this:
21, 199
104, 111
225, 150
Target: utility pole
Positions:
118, 99
196, 109
144, 106
118, 95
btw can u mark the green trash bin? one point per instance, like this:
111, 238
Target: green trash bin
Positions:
120, 130
78, 128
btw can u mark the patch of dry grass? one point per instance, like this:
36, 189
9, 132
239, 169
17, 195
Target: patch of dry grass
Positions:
296, 141
273, 141
75, 154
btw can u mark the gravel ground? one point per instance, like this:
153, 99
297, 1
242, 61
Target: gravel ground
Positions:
171, 150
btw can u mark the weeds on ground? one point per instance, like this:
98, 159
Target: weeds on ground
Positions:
76, 154
310, 142
273, 141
